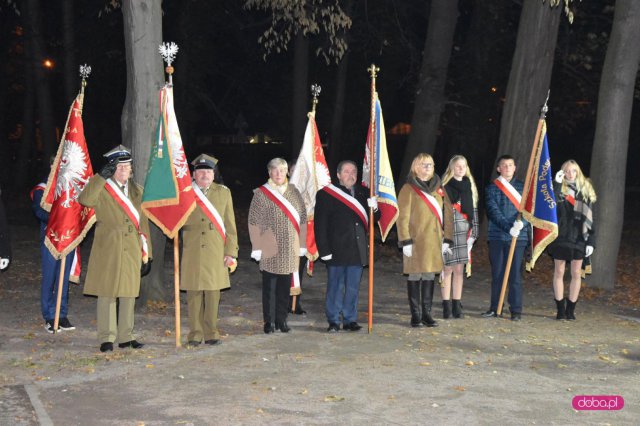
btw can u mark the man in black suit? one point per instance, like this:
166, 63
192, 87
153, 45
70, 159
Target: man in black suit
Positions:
341, 223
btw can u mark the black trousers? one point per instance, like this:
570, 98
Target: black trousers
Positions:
275, 296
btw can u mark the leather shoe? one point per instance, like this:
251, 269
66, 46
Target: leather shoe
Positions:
134, 344
516, 316
212, 342
283, 327
352, 326
489, 314
193, 343
333, 328
268, 328
106, 347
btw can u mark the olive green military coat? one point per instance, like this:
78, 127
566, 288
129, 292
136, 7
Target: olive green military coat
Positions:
203, 249
116, 253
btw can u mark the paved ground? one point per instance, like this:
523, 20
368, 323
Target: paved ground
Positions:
469, 371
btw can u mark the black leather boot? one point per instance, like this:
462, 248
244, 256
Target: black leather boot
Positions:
282, 326
457, 309
446, 309
569, 312
413, 291
560, 305
426, 287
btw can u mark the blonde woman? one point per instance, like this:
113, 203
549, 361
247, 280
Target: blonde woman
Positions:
425, 233
576, 234
463, 194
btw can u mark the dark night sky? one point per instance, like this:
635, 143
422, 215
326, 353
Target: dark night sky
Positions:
222, 75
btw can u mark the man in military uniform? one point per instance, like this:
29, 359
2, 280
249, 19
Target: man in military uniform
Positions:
209, 250
121, 250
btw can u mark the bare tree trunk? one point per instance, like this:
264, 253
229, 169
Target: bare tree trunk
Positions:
43, 94
70, 78
529, 79
610, 147
300, 95
337, 120
430, 98
142, 36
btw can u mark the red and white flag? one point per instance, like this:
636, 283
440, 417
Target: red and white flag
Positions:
310, 175
69, 221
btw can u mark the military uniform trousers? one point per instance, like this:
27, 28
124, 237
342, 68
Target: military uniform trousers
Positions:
108, 327
203, 314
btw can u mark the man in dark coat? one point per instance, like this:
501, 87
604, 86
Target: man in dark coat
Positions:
341, 222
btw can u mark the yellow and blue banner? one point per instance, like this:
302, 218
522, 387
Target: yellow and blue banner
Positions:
384, 186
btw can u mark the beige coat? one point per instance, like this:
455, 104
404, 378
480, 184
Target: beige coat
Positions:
203, 249
116, 253
418, 225
272, 232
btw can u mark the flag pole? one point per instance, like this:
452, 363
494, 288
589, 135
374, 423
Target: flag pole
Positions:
85, 70
373, 72
523, 200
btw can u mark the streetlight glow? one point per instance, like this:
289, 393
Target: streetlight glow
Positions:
47, 63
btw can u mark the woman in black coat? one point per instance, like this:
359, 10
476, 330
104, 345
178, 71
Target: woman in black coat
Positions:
576, 234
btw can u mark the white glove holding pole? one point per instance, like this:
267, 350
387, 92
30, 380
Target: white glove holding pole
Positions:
516, 228
588, 251
256, 255
372, 203
408, 250
446, 249
303, 251
4, 262
327, 257
559, 176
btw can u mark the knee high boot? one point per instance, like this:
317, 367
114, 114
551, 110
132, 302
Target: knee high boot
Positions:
569, 312
457, 309
413, 291
426, 287
560, 305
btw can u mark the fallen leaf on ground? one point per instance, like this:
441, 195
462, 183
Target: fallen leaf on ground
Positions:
425, 364
459, 388
469, 363
333, 398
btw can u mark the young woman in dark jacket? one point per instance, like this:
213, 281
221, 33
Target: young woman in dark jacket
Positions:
576, 234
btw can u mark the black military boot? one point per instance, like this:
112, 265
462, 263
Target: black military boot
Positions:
446, 309
457, 309
413, 291
560, 305
426, 287
569, 312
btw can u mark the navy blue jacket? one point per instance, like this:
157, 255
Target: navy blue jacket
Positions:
502, 213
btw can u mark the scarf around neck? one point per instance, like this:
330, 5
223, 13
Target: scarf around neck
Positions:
427, 186
461, 191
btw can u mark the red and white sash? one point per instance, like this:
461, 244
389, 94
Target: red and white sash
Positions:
509, 191
211, 212
130, 211
348, 201
571, 197
292, 214
431, 202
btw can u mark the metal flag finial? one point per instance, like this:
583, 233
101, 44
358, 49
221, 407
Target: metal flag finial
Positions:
85, 70
168, 51
315, 92
373, 70
545, 107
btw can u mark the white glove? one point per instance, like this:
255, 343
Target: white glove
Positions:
559, 176
588, 252
446, 249
470, 242
303, 251
372, 203
518, 225
514, 232
327, 257
256, 255
4, 262
408, 250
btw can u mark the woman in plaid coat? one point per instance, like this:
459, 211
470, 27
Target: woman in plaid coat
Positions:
463, 193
